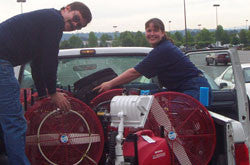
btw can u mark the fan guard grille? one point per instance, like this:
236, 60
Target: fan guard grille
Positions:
188, 127
63, 137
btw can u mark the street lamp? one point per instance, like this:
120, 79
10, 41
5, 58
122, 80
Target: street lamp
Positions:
115, 26
21, 1
216, 5
185, 24
199, 25
246, 24
169, 25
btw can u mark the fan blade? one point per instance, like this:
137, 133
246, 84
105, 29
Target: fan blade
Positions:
162, 118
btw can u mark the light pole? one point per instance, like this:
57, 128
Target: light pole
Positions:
199, 25
246, 24
114, 26
216, 5
169, 25
21, 1
185, 25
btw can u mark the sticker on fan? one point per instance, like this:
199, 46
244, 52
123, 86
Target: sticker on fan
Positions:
172, 135
64, 139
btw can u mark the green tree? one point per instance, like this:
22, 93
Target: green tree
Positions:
190, 39
65, 45
203, 38
127, 39
235, 39
248, 37
103, 40
92, 41
116, 41
219, 33
178, 37
140, 39
243, 37
75, 42
225, 38
204, 35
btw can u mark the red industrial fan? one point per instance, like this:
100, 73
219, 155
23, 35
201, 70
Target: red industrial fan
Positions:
104, 99
28, 97
63, 137
188, 127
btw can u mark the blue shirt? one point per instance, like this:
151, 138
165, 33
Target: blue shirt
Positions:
168, 63
34, 37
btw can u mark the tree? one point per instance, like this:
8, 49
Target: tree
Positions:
127, 39
103, 40
178, 37
204, 35
65, 45
92, 41
225, 38
75, 42
219, 33
243, 37
140, 39
248, 37
190, 39
235, 40
116, 41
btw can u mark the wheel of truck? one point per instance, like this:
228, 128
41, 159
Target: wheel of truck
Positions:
215, 62
207, 63
225, 63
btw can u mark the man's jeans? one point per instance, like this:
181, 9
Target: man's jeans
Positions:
11, 116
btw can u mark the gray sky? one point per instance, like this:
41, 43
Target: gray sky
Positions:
132, 14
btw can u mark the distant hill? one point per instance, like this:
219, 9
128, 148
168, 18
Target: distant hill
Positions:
85, 36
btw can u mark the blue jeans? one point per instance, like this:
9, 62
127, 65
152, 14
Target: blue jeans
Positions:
12, 116
192, 86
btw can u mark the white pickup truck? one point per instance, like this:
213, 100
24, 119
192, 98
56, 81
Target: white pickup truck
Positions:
229, 108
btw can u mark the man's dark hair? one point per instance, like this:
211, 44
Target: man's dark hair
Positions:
83, 9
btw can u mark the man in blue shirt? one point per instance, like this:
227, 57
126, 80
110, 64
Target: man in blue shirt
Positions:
32, 37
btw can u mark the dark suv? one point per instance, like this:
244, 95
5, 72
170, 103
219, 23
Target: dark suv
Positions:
215, 58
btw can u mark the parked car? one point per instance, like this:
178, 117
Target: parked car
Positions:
226, 79
215, 58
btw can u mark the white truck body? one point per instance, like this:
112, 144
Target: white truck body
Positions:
234, 131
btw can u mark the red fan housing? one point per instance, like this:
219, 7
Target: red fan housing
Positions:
188, 127
63, 137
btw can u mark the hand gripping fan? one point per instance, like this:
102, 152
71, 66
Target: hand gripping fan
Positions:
63, 137
28, 97
188, 127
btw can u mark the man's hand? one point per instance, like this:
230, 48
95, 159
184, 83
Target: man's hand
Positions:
103, 87
60, 100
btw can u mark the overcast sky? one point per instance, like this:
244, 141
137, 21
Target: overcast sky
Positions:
132, 14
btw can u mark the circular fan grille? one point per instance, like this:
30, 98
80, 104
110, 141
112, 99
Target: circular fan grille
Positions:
188, 127
63, 137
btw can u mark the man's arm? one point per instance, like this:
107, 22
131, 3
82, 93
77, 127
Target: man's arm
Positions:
37, 76
127, 76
